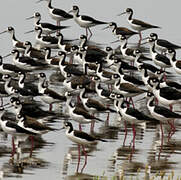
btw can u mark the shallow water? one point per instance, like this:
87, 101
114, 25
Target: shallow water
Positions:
54, 155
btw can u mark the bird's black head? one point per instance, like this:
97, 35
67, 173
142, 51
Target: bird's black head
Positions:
20, 117
122, 37
6, 77
151, 39
112, 95
108, 49
119, 96
27, 43
42, 75
150, 94
68, 125
129, 10
14, 51
96, 78
61, 53
137, 51
171, 51
10, 28
75, 8
37, 14
38, 28
74, 48
1, 108
154, 36
83, 37
116, 76
112, 24
17, 102
13, 99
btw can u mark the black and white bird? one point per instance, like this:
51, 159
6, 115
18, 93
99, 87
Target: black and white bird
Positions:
48, 95
92, 105
10, 69
162, 44
104, 94
16, 43
32, 52
176, 64
128, 53
30, 109
45, 41
10, 127
158, 59
85, 21
67, 67
32, 125
120, 30
80, 137
78, 112
57, 14
166, 95
138, 62
126, 89
26, 63
136, 24
47, 28
160, 112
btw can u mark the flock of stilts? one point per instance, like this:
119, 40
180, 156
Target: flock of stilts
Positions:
84, 69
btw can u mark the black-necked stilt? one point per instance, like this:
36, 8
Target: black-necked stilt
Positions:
145, 76
12, 88
79, 113
157, 58
105, 76
133, 116
85, 21
48, 96
139, 62
162, 44
7, 86
91, 49
80, 137
47, 28
176, 64
52, 61
32, 125
92, 105
166, 95
10, 127
16, 44
66, 47
68, 68
160, 112
57, 14
124, 78
72, 83
126, 89
128, 53
8, 68
28, 108
28, 86
102, 93
124, 65
137, 24
26, 63
45, 41
120, 30
32, 52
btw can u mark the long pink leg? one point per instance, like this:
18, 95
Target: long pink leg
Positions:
78, 158
85, 154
